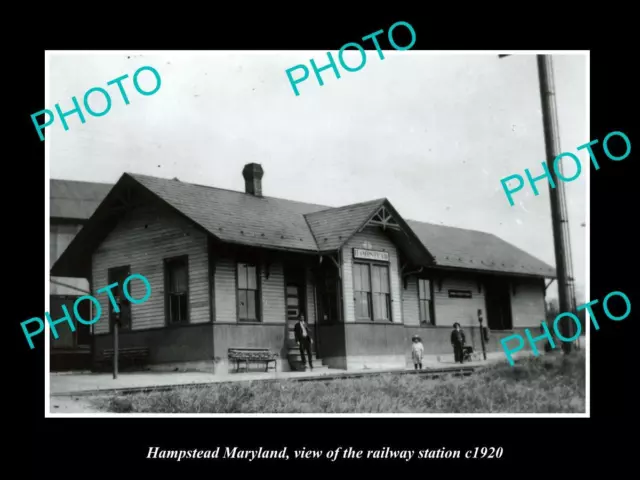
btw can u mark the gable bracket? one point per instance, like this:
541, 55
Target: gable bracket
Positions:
337, 264
382, 219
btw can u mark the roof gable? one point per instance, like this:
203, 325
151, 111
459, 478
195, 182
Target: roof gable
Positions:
229, 216
334, 226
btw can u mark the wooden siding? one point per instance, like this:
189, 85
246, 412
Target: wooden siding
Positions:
527, 305
143, 239
461, 310
225, 290
273, 304
410, 310
374, 239
272, 290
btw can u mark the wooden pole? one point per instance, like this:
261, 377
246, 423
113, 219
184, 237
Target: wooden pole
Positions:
115, 349
484, 350
316, 311
559, 214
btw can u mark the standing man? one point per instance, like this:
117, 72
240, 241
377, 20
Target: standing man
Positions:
457, 342
304, 340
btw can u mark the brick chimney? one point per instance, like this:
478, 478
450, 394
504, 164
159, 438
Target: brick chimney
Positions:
252, 173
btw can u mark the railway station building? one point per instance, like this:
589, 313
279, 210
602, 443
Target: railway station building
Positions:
236, 269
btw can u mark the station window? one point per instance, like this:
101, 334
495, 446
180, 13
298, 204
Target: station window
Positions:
248, 292
372, 294
176, 273
425, 299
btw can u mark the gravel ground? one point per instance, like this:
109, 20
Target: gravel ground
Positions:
70, 404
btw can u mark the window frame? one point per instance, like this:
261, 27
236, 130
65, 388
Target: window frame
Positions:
431, 300
167, 294
370, 265
258, 291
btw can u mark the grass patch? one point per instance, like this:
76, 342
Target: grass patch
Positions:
547, 384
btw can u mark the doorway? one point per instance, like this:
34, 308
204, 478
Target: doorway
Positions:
498, 303
295, 285
119, 275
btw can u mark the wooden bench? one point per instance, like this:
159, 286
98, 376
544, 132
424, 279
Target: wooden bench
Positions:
252, 355
129, 354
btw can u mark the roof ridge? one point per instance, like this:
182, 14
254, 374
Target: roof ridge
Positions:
84, 199
359, 204
449, 226
51, 179
211, 187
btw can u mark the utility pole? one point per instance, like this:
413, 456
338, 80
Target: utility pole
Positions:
115, 349
116, 324
559, 217
484, 350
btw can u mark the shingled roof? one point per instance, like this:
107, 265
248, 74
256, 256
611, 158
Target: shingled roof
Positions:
238, 217
268, 222
331, 226
472, 249
75, 200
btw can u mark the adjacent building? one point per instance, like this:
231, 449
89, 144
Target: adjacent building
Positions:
71, 205
236, 269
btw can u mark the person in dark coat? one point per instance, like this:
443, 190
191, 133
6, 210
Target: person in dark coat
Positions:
457, 342
303, 338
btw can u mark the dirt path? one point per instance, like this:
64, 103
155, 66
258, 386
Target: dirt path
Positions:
69, 404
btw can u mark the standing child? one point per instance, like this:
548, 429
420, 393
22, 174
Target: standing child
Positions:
417, 350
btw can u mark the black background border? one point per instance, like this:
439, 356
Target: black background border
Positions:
107, 447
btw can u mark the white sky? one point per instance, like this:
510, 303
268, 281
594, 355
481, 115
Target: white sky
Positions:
433, 133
